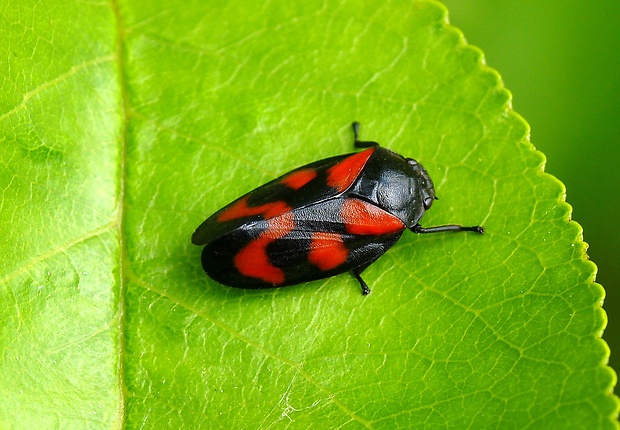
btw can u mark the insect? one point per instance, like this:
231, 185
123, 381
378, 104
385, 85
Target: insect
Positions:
332, 216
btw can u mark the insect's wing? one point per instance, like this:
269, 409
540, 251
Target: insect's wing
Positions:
308, 243
309, 184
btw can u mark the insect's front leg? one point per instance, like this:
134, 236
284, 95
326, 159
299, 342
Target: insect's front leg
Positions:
448, 227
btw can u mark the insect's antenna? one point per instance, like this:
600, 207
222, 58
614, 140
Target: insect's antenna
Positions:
361, 143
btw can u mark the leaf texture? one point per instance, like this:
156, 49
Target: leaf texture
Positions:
125, 125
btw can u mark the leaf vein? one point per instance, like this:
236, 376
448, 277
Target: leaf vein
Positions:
52, 82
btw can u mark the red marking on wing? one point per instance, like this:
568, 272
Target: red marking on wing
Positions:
253, 261
327, 250
241, 209
340, 176
364, 218
298, 179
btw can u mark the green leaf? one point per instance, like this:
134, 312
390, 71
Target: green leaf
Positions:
125, 125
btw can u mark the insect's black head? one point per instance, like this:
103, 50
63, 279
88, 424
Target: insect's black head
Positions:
399, 185
424, 183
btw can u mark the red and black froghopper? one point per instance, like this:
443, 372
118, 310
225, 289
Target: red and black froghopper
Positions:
332, 216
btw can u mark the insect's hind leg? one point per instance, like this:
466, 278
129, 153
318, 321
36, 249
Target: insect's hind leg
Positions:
357, 275
361, 143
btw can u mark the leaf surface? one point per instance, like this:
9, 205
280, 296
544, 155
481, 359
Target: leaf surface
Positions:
125, 125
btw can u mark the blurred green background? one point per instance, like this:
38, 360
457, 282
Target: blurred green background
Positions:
561, 61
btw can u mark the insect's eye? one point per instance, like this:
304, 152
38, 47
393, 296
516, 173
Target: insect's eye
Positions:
428, 202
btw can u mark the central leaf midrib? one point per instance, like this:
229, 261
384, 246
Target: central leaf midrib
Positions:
120, 222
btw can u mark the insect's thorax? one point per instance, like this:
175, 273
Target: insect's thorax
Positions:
398, 185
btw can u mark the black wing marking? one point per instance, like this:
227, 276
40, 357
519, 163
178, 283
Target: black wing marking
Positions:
306, 244
278, 196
